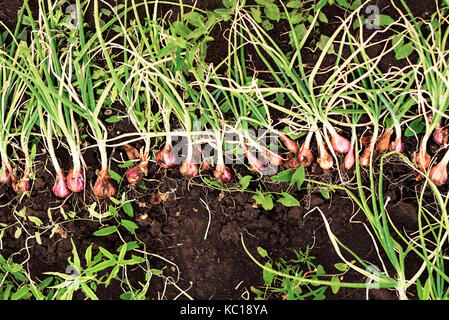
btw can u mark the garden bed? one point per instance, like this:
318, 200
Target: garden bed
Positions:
197, 234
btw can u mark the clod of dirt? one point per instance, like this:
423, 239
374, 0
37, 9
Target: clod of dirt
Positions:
295, 213
404, 215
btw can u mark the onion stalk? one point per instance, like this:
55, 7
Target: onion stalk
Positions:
12, 91
47, 77
305, 155
433, 88
324, 159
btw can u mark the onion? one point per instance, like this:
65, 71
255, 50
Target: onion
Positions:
204, 162
325, 160
5, 175
22, 186
189, 168
349, 159
365, 158
384, 141
339, 143
75, 180
291, 145
166, 158
274, 158
60, 188
438, 173
104, 187
222, 173
422, 160
135, 174
305, 157
205, 165
438, 134
255, 163
397, 145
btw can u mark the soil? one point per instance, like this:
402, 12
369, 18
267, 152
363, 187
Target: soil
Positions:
199, 229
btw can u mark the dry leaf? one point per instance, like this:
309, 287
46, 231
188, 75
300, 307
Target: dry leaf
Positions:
131, 152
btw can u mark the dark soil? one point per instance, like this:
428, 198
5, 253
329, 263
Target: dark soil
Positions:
211, 259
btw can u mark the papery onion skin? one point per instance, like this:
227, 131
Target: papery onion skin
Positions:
104, 187
131, 152
255, 164
135, 174
445, 136
305, 157
325, 161
22, 186
422, 160
383, 142
222, 173
274, 158
189, 168
365, 158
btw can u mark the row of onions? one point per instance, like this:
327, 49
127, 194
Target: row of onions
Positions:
57, 85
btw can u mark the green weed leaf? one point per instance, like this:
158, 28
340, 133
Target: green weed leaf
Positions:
335, 284
38, 222
288, 200
343, 267
263, 253
244, 182
265, 200
385, 20
325, 193
272, 12
267, 275
257, 14
417, 126
128, 208
403, 51
294, 4
298, 177
283, 176
130, 226
105, 231
264, 2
